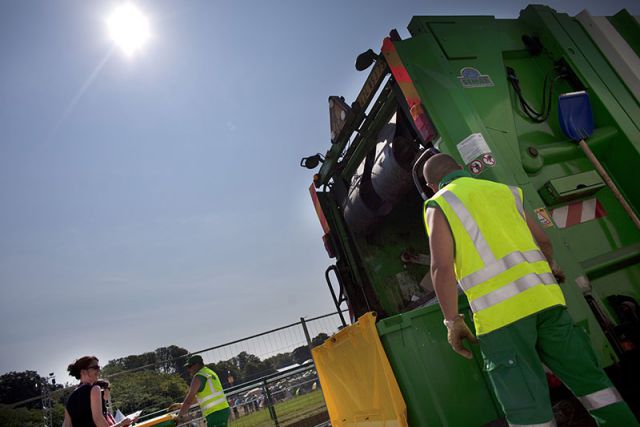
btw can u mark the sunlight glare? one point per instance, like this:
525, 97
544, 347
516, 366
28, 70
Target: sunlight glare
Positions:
128, 28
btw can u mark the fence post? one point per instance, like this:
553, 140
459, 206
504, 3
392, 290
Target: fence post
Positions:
270, 405
46, 402
306, 332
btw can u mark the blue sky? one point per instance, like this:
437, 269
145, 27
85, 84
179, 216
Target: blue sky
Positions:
157, 199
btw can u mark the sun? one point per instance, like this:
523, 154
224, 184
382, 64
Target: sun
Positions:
128, 28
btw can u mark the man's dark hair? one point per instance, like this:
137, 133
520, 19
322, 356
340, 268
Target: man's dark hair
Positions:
438, 166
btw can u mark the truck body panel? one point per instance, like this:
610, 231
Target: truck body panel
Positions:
457, 85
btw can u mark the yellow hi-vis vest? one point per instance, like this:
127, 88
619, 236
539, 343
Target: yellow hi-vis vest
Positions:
211, 398
498, 264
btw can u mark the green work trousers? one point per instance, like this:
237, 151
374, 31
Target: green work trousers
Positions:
514, 356
218, 418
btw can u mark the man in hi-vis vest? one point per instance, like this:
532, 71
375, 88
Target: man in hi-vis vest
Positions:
481, 239
207, 389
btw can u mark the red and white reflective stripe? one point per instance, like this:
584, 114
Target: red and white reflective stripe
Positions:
401, 74
577, 213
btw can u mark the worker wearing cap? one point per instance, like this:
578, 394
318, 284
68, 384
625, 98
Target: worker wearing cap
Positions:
207, 389
481, 238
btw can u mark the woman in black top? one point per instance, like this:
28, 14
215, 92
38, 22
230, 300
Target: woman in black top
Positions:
84, 406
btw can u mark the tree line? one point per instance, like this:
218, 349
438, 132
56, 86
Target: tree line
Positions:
150, 381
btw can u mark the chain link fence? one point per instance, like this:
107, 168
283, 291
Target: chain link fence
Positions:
269, 378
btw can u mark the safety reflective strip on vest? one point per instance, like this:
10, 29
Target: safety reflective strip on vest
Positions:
516, 195
213, 395
213, 398
492, 266
214, 403
500, 266
511, 289
470, 226
213, 391
600, 398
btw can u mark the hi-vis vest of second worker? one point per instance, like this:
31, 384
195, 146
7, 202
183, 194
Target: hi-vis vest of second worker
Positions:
497, 262
211, 398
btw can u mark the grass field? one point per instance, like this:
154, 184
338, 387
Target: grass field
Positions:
295, 409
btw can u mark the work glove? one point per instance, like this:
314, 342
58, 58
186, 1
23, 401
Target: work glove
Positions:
458, 331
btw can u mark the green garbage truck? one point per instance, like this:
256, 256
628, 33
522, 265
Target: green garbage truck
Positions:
485, 91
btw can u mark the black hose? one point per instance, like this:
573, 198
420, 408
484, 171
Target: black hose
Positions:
547, 95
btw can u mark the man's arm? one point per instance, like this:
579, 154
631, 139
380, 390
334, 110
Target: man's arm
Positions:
545, 245
540, 237
196, 382
444, 281
442, 273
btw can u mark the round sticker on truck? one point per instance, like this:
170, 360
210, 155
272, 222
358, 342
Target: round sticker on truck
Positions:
489, 160
476, 167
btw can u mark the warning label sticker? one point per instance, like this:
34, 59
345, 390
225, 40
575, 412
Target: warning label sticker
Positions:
489, 160
473, 147
544, 218
475, 167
